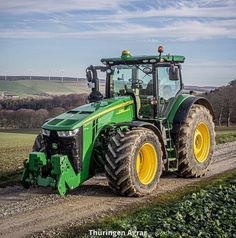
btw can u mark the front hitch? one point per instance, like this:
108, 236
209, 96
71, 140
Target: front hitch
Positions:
62, 175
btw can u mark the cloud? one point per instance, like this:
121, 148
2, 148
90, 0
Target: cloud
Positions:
47, 6
160, 8
182, 11
178, 20
180, 30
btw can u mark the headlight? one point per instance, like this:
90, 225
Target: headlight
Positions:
45, 132
67, 133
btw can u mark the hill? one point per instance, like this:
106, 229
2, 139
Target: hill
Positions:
223, 101
24, 88
199, 89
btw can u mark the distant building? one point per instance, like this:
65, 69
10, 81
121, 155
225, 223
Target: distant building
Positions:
10, 96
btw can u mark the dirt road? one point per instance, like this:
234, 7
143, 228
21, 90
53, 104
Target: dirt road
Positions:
25, 212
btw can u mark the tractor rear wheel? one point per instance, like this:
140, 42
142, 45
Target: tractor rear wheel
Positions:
134, 162
196, 142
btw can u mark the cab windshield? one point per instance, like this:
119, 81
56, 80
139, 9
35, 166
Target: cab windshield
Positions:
127, 78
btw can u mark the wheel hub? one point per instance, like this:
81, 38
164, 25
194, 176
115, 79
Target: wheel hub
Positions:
201, 143
146, 163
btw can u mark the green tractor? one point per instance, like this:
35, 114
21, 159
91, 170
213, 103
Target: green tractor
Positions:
142, 126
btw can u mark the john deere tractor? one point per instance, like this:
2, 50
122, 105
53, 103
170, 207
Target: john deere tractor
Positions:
141, 126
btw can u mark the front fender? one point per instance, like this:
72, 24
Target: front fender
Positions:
148, 126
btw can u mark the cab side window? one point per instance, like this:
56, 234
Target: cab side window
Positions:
167, 88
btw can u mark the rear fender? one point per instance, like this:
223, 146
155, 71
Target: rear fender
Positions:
183, 111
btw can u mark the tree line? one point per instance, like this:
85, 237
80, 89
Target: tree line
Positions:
65, 101
33, 77
32, 112
223, 100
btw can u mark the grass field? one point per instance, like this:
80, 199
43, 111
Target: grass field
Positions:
14, 148
24, 88
206, 209
225, 134
16, 144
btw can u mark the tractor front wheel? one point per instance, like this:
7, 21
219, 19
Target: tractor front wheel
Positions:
134, 162
39, 145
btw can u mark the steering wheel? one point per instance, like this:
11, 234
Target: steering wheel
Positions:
138, 81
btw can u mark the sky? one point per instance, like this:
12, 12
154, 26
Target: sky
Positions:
63, 37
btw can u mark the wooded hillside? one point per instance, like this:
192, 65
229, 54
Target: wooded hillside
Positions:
223, 100
32, 112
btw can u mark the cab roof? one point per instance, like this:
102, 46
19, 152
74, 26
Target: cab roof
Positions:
146, 59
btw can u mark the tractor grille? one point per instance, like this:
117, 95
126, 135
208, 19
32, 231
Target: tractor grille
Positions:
71, 146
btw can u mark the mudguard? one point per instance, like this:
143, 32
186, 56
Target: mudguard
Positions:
183, 110
148, 126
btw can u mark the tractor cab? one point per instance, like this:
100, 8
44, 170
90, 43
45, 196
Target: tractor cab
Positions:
153, 81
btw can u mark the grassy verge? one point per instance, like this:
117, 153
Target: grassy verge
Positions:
14, 148
205, 209
225, 134
224, 138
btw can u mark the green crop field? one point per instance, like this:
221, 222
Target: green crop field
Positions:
24, 88
204, 210
225, 134
14, 148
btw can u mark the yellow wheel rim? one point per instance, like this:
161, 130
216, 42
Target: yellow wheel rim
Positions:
201, 142
146, 163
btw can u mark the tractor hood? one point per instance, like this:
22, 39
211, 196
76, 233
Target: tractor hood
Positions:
83, 115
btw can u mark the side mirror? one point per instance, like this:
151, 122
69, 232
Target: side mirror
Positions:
174, 73
89, 76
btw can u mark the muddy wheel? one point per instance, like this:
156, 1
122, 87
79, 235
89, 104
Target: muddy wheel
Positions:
196, 142
39, 145
134, 162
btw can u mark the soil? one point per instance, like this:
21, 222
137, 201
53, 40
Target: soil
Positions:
40, 212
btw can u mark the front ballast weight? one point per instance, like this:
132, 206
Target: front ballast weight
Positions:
62, 178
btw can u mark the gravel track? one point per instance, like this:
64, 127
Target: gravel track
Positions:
24, 212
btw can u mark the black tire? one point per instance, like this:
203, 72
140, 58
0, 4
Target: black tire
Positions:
121, 159
190, 164
39, 145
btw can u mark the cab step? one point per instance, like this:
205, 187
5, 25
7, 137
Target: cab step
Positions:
172, 159
173, 169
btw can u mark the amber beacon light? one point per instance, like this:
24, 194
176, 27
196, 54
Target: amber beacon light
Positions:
160, 49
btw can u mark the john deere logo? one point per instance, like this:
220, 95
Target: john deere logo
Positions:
54, 146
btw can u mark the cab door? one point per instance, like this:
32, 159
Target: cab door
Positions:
168, 85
